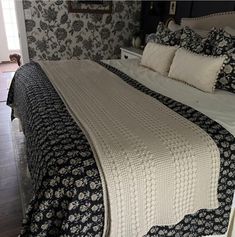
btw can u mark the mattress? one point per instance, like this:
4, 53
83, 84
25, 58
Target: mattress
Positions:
54, 141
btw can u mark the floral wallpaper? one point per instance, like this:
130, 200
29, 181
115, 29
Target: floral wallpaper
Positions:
55, 34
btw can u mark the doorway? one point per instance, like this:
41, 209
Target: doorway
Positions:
8, 30
10, 44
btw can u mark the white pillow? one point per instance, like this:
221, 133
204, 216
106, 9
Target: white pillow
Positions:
158, 57
196, 70
174, 27
230, 30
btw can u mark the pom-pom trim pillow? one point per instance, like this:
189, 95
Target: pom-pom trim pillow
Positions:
197, 70
158, 57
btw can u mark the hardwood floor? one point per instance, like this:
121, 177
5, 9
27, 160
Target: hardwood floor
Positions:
10, 204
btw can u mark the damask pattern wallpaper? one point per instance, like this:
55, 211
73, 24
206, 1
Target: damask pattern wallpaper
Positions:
55, 34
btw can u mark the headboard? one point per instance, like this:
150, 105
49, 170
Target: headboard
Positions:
219, 20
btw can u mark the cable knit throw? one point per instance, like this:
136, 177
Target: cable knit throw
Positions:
156, 166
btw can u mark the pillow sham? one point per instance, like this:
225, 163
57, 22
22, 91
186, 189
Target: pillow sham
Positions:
197, 70
165, 36
158, 57
221, 41
226, 78
151, 38
194, 42
223, 44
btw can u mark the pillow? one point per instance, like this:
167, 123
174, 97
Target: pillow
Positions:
165, 36
226, 78
194, 42
158, 57
221, 41
196, 70
151, 38
174, 27
223, 44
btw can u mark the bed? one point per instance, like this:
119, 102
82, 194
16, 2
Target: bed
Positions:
82, 184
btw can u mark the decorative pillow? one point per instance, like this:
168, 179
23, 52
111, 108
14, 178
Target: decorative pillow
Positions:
196, 70
221, 41
223, 44
194, 42
226, 78
158, 57
151, 38
165, 36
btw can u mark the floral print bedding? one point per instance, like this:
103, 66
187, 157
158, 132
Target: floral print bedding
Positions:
68, 198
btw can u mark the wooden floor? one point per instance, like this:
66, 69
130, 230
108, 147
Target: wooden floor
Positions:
10, 204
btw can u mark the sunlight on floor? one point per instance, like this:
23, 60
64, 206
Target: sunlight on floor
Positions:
7, 71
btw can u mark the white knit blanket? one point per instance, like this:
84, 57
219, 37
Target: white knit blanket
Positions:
155, 165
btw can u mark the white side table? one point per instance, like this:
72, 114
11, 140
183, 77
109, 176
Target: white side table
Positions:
130, 52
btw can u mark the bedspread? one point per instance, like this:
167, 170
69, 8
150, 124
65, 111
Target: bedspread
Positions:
137, 142
68, 199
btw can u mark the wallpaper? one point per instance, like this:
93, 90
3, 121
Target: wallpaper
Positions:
55, 34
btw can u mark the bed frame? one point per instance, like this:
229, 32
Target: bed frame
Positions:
207, 22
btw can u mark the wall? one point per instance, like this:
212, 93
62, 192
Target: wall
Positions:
55, 34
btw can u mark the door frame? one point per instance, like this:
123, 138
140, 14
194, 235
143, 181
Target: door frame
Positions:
22, 30
4, 57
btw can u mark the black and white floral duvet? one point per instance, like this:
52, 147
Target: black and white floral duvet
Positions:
68, 198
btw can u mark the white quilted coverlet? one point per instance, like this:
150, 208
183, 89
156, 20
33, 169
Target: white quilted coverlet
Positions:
155, 165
